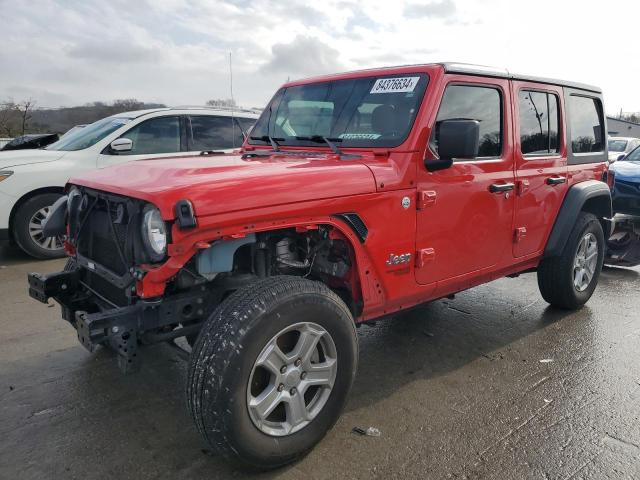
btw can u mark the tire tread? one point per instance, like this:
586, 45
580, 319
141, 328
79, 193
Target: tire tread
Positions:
213, 351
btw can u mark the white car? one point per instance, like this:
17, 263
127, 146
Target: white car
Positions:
32, 180
620, 146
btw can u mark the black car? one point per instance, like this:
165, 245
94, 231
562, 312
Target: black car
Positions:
37, 140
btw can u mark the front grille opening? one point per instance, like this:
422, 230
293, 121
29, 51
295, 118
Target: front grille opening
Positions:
105, 233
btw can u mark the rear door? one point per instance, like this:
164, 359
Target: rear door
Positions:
465, 213
541, 163
214, 133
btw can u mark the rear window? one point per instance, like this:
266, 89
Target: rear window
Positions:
585, 120
617, 145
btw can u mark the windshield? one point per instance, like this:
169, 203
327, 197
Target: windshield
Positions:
360, 112
634, 156
617, 145
88, 136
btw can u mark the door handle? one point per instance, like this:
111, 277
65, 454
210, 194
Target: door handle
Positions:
556, 180
501, 187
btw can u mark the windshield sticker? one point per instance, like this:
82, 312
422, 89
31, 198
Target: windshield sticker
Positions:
359, 136
395, 85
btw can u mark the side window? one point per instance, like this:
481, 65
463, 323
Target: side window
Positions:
158, 135
585, 119
214, 133
539, 119
478, 103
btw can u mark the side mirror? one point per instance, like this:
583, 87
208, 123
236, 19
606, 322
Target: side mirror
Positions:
620, 157
457, 138
121, 145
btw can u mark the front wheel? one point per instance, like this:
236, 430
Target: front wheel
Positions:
570, 280
271, 370
27, 228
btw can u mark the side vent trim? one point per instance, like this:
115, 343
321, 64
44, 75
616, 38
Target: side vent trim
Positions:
356, 223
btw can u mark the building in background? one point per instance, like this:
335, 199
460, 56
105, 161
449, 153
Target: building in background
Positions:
622, 128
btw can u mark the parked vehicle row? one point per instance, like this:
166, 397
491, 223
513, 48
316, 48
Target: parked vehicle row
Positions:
624, 243
32, 180
621, 146
356, 196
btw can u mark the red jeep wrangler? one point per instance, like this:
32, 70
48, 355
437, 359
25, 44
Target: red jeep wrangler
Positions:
357, 196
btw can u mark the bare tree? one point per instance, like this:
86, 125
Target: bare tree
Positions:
25, 110
222, 102
8, 110
125, 104
630, 117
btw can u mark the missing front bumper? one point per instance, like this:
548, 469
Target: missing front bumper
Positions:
122, 329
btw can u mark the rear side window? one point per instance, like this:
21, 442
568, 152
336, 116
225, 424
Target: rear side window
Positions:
585, 120
477, 103
214, 133
158, 135
539, 119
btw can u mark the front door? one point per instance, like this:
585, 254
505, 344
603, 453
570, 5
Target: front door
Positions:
154, 138
465, 213
541, 164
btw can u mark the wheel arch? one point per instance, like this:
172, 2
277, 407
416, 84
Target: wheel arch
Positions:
364, 277
27, 196
592, 196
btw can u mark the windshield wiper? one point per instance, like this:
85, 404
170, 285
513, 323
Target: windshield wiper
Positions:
273, 141
320, 139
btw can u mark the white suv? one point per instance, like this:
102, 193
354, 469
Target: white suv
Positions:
620, 146
32, 180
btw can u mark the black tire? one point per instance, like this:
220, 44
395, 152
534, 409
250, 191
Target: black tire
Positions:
556, 275
227, 348
21, 226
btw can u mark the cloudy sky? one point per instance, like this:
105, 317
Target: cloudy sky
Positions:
69, 52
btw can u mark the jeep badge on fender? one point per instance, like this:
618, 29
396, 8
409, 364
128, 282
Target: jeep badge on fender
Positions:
286, 245
398, 259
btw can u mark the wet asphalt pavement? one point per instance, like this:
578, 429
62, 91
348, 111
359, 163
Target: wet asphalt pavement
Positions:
492, 384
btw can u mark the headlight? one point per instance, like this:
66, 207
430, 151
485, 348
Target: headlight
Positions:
154, 233
5, 174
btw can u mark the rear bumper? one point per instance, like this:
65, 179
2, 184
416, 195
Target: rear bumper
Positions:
4, 235
120, 328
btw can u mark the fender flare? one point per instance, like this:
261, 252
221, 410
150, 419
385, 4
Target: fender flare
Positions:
591, 196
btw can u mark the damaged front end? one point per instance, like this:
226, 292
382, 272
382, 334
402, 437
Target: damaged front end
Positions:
97, 289
116, 244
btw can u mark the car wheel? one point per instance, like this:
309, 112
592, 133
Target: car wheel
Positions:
271, 370
27, 228
570, 280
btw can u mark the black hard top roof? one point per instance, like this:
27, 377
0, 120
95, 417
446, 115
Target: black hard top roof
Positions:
485, 71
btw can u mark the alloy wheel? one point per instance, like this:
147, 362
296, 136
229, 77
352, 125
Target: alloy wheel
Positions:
36, 234
585, 263
292, 379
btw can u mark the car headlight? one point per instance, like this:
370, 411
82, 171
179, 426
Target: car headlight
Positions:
154, 233
5, 174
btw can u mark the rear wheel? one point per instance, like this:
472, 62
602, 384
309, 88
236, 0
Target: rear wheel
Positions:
271, 370
27, 228
569, 280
